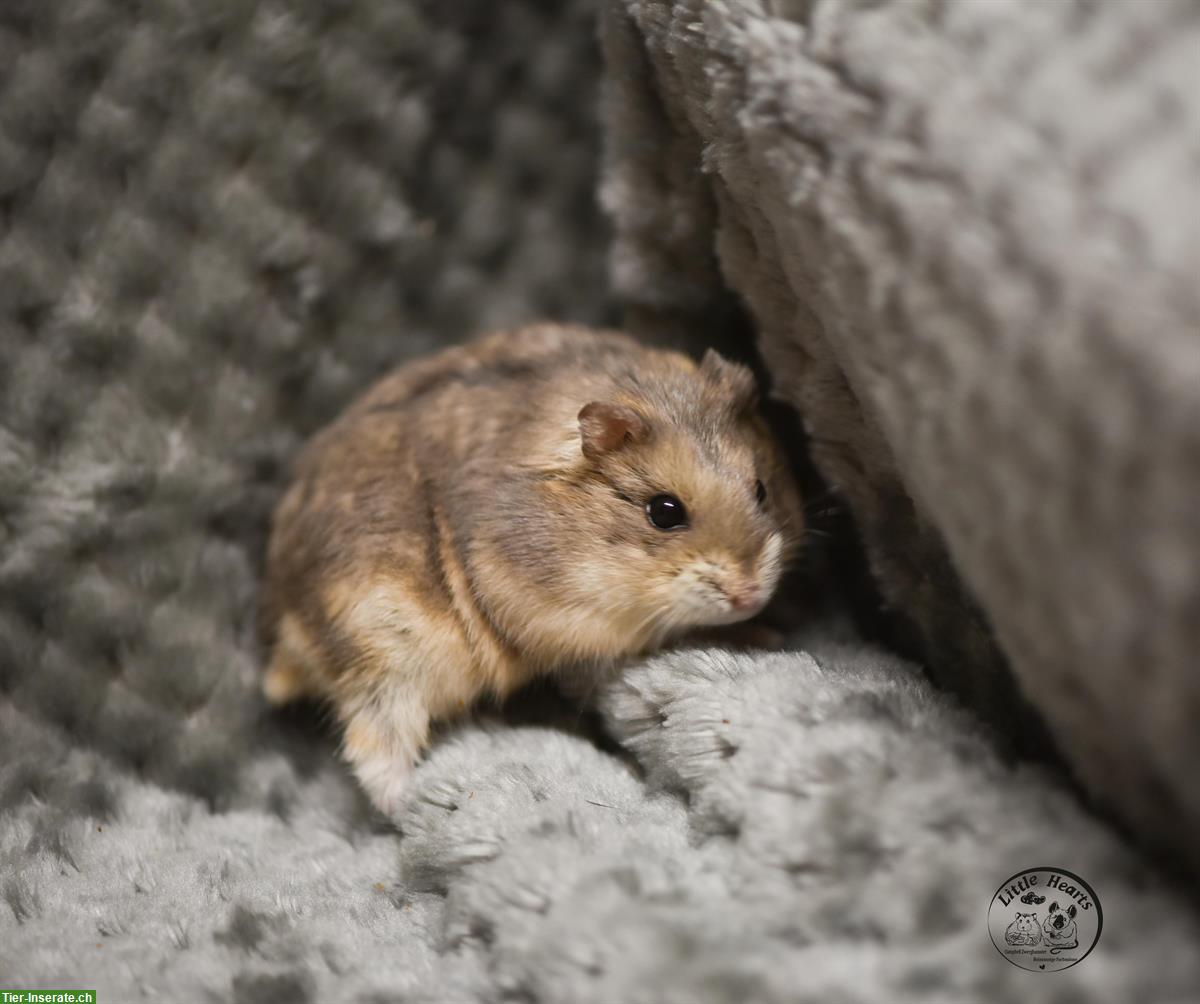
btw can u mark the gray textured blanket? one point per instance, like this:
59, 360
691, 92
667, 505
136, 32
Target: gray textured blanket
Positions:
793, 827
219, 220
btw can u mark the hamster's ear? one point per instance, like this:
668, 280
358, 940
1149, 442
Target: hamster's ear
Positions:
604, 427
1054, 906
1071, 910
734, 379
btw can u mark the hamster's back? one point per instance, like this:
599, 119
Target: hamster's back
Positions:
520, 359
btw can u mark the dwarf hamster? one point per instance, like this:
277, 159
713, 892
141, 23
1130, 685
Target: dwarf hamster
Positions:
541, 499
1023, 930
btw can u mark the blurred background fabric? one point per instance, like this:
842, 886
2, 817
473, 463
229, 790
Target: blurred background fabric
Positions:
220, 222
960, 238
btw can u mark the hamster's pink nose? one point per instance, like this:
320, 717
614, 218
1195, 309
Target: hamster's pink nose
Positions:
744, 595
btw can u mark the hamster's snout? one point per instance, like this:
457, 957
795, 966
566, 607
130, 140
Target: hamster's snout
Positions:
744, 596
748, 587
723, 588
745, 592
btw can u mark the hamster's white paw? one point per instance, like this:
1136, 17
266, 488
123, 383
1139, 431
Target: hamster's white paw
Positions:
385, 780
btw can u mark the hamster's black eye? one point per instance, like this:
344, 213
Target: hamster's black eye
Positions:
760, 492
666, 512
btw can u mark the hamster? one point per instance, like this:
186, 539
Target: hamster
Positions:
1024, 930
545, 499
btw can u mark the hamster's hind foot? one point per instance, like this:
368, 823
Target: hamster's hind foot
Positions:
295, 669
283, 682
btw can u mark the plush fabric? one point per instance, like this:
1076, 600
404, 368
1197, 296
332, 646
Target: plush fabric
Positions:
806, 826
217, 222
967, 234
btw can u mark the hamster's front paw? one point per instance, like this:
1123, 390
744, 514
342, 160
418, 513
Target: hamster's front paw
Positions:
382, 751
385, 782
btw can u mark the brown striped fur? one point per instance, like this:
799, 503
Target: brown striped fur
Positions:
462, 527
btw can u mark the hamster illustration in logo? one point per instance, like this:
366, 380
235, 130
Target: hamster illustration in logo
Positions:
1059, 928
1024, 930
